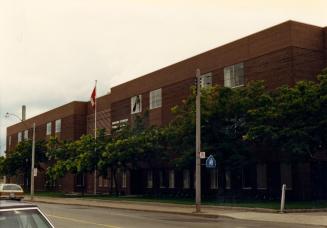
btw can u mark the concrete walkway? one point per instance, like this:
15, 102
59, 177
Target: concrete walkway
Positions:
314, 218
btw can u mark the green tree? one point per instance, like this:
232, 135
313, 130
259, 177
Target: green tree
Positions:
18, 161
130, 147
293, 122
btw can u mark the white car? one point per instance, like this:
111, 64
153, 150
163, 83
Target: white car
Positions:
15, 214
11, 191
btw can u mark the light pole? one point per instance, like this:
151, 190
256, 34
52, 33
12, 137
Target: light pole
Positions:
33, 151
198, 143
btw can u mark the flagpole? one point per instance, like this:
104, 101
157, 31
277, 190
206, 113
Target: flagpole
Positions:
95, 136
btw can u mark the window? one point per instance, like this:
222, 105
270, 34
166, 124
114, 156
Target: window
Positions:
48, 128
171, 179
100, 184
186, 179
286, 175
155, 99
19, 137
124, 179
261, 176
214, 178
79, 180
246, 178
161, 179
234, 75
228, 184
136, 104
58, 126
105, 182
113, 180
26, 135
149, 179
206, 80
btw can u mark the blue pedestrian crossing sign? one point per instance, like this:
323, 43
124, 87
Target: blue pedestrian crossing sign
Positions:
211, 162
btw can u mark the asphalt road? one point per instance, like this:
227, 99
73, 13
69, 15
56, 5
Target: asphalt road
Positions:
64, 216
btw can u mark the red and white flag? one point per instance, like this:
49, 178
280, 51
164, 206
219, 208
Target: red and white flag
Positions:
93, 97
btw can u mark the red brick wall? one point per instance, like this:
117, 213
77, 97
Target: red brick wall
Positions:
174, 95
103, 121
274, 68
264, 42
121, 109
73, 123
307, 64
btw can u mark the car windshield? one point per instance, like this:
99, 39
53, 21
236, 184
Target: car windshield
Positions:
11, 187
28, 218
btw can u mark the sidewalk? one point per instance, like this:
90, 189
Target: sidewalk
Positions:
313, 218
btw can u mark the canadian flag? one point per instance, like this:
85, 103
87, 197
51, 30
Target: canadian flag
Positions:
93, 97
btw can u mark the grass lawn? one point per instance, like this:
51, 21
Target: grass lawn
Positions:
189, 201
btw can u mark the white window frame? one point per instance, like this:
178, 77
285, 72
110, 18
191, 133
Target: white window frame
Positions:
206, 80
49, 128
155, 97
234, 75
58, 126
214, 178
138, 107
171, 178
26, 135
186, 179
149, 179
19, 137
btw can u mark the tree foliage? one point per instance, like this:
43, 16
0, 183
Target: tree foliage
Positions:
238, 126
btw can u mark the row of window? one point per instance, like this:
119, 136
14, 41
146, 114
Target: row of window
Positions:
285, 170
155, 101
233, 77
186, 179
24, 134
104, 181
20, 136
57, 127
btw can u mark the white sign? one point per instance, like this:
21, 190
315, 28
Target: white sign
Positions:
202, 155
35, 172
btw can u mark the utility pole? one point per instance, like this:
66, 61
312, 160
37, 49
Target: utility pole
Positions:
198, 143
33, 146
32, 163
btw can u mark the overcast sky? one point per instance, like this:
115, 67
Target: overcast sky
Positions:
51, 51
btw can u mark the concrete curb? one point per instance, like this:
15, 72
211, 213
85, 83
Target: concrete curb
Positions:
202, 214
267, 210
231, 208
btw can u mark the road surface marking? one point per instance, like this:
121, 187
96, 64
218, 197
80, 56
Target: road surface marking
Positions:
82, 221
